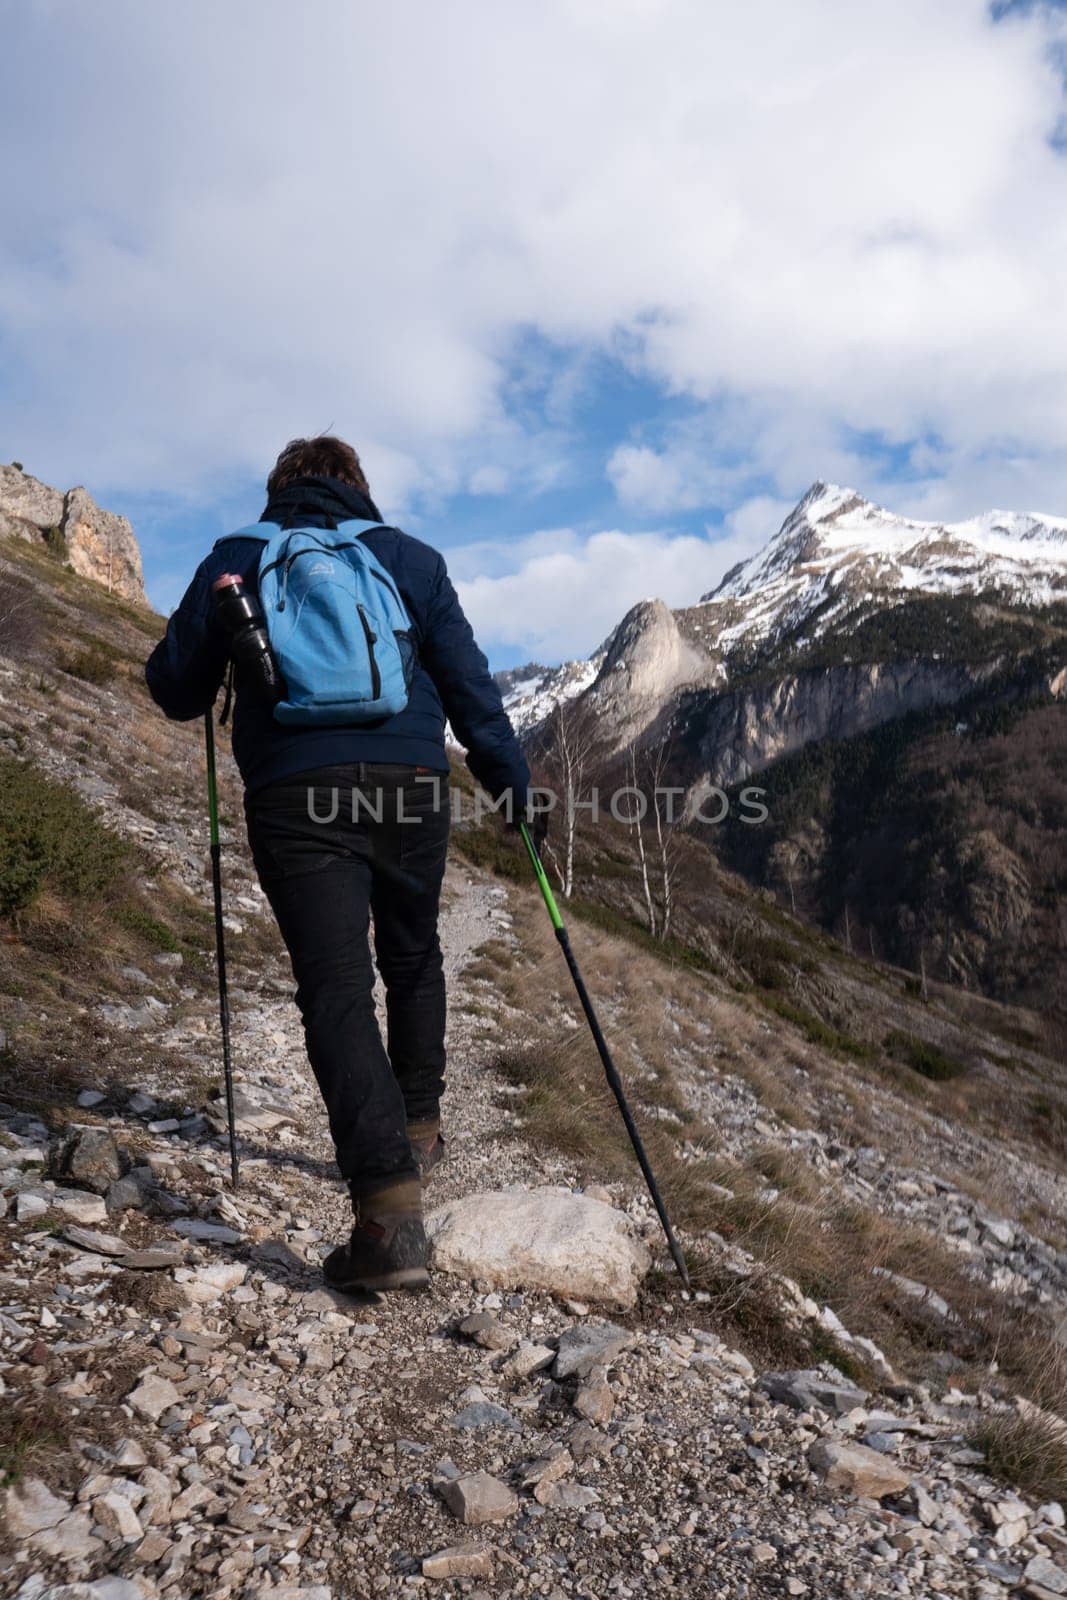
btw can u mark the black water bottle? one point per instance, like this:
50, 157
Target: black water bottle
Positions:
242, 616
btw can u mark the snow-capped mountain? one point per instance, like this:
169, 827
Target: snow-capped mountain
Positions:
533, 691
897, 692
836, 559
837, 553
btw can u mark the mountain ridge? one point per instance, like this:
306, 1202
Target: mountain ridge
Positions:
852, 639
836, 557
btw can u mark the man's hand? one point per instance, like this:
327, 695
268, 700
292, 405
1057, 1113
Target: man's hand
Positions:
536, 821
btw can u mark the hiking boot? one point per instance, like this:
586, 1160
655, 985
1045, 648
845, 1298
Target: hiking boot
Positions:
427, 1145
387, 1248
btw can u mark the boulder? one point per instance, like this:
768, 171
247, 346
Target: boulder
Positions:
543, 1238
854, 1469
477, 1497
594, 1400
810, 1391
152, 1396
89, 1158
589, 1345
528, 1359
31, 1506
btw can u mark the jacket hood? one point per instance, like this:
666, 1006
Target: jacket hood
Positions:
318, 503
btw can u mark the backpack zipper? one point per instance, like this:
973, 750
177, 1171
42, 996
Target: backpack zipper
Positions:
372, 639
286, 564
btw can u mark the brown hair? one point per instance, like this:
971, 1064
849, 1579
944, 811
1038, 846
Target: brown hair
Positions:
324, 456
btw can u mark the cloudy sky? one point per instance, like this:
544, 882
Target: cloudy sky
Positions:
597, 287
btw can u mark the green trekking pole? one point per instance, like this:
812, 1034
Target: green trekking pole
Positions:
610, 1069
220, 936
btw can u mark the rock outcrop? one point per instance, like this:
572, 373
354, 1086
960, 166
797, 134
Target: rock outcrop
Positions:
97, 543
647, 660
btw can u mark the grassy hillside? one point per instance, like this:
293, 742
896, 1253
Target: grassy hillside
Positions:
766, 1059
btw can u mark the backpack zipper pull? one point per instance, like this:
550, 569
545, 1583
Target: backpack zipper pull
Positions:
285, 583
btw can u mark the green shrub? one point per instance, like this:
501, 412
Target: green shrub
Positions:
55, 542
48, 835
156, 933
924, 1057
816, 1031
90, 662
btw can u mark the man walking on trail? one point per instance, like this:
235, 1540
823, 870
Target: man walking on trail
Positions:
380, 789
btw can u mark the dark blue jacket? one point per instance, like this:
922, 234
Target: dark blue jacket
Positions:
186, 669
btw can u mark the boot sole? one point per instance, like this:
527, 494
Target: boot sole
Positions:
412, 1279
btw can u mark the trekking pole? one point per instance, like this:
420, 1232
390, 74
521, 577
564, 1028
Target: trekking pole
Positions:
220, 935
610, 1069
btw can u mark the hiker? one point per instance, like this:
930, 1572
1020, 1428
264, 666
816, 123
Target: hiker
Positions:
349, 818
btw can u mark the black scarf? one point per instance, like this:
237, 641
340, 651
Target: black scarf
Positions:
319, 503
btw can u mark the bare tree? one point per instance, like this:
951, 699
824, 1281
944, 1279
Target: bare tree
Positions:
568, 754
658, 764
17, 617
637, 812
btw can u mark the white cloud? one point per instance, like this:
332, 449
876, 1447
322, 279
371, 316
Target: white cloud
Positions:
558, 596
237, 223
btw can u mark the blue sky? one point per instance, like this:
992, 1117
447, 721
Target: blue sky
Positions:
597, 287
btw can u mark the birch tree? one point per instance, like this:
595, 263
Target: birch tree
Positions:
636, 814
569, 756
667, 821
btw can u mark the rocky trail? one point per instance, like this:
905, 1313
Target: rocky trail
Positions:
222, 1425
185, 1410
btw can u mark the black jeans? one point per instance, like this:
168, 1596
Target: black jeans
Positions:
379, 847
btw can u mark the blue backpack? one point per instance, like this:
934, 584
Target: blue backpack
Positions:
338, 628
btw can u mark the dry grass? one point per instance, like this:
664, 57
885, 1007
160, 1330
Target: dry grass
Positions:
1027, 1447
808, 1230
33, 1431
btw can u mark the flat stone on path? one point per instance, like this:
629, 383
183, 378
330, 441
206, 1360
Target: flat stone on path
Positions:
202, 1285
31, 1506
98, 1244
150, 1260
290, 1591
485, 1414
810, 1391
152, 1396
542, 1238
477, 1497
459, 1561
206, 1232
588, 1345
854, 1469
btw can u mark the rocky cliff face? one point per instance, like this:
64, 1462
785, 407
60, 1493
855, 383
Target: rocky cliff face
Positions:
851, 638
646, 662
97, 543
741, 732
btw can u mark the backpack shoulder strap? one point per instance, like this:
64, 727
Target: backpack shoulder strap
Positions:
251, 532
355, 527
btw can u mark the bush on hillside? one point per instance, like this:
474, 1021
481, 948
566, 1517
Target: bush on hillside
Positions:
924, 1057
18, 616
92, 663
49, 836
